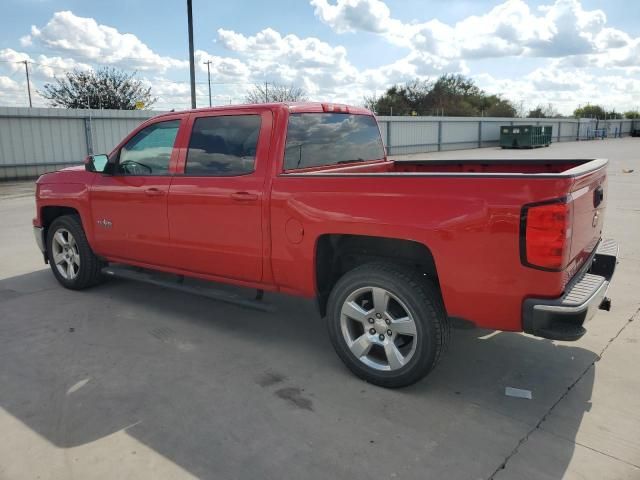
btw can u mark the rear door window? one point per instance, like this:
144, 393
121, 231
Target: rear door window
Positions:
316, 139
223, 145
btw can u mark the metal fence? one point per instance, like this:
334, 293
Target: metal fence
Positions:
405, 135
37, 140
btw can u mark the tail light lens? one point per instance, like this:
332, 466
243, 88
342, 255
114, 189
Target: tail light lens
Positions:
545, 238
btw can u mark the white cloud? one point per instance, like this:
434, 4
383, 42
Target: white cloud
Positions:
322, 69
224, 69
289, 59
578, 45
509, 29
354, 15
41, 67
296, 52
11, 92
565, 88
87, 39
12, 58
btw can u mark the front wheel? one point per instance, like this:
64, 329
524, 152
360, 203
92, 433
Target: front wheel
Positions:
72, 261
387, 323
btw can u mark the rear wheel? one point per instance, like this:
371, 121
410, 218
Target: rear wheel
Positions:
72, 261
387, 324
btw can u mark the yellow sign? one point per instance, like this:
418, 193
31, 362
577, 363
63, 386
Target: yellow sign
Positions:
139, 105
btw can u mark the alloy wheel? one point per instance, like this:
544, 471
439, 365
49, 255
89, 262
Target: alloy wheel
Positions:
378, 328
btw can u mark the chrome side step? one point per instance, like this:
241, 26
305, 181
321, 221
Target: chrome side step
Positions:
175, 282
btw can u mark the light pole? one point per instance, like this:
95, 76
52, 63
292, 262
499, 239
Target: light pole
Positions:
208, 64
192, 69
26, 69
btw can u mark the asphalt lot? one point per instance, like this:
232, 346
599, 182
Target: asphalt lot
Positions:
128, 380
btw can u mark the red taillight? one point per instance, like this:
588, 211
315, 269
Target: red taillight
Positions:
546, 235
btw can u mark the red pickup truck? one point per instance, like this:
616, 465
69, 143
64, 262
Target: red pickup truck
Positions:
301, 198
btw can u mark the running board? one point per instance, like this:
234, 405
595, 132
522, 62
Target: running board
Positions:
163, 280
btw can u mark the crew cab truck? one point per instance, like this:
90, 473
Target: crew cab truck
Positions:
300, 198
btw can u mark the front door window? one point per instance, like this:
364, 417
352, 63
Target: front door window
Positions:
149, 151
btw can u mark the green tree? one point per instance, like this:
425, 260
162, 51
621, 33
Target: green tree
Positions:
634, 114
499, 107
596, 111
452, 95
400, 99
106, 88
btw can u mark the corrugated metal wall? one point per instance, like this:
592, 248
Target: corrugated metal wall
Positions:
36, 140
403, 135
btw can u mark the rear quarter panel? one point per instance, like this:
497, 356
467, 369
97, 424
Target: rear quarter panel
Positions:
470, 223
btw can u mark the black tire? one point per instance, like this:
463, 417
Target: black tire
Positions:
89, 270
419, 295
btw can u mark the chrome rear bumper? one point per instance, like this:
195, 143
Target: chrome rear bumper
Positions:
563, 318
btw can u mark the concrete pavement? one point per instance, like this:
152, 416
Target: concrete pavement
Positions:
128, 380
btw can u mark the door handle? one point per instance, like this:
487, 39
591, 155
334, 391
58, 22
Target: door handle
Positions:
244, 197
153, 192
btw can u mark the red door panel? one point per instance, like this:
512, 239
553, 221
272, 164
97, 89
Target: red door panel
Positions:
131, 217
216, 226
216, 222
129, 207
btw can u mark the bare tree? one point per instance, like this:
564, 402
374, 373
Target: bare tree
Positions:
370, 103
543, 111
273, 92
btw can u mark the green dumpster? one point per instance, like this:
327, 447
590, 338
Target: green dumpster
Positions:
525, 136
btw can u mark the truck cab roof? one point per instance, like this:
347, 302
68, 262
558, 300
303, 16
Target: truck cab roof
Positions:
292, 107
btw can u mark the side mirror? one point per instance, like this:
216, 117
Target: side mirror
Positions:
96, 163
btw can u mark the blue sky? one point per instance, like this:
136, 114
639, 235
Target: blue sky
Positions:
564, 52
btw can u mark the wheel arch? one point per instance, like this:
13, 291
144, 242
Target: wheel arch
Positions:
48, 214
336, 254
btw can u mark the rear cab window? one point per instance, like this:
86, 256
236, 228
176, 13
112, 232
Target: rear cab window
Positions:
322, 139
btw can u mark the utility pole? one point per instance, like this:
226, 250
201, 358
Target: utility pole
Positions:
266, 92
26, 69
208, 64
192, 68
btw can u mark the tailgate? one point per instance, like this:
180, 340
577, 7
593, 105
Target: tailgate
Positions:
588, 197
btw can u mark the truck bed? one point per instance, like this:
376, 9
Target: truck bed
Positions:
534, 167
488, 166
